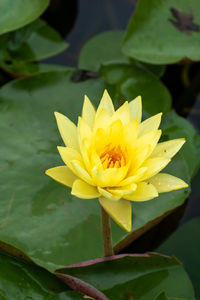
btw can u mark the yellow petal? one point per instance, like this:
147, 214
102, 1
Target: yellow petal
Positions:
166, 182
122, 113
106, 103
134, 178
149, 124
108, 177
154, 165
135, 107
68, 131
68, 154
84, 148
119, 210
131, 131
115, 130
151, 138
95, 160
83, 190
168, 149
102, 120
62, 174
88, 112
123, 190
138, 158
145, 191
84, 131
80, 171
105, 193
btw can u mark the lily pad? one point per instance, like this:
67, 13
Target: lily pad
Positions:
130, 80
106, 48
175, 126
38, 215
33, 42
21, 280
18, 13
134, 277
20, 69
101, 48
185, 244
162, 296
162, 32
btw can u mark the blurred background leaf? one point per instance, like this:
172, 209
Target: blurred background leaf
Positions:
18, 13
185, 244
30, 44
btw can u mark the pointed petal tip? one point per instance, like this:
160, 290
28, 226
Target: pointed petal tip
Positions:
46, 172
119, 211
105, 92
86, 99
56, 114
127, 227
183, 140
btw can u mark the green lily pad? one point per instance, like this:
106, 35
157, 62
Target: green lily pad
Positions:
38, 215
18, 13
20, 69
101, 48
185, 244
162, 32
106, 48
33, 42
135, 277
162, 296
21, 280
175, 126
130, 80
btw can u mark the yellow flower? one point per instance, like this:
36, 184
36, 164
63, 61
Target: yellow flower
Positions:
114, 156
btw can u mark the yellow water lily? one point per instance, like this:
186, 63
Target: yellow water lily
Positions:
113, 156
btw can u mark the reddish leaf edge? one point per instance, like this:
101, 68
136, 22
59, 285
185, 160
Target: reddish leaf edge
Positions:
102, 259
81, 286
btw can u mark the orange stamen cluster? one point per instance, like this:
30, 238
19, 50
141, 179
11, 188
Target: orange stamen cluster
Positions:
113, 157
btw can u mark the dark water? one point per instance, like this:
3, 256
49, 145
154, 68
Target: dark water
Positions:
87, 19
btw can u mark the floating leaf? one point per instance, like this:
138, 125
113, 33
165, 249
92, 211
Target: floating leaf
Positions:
31, 43
162, 32
101, 48
106, 48
185, 244
134, 277
162, 296
21, 280
18, 13
20, 69
175, 126
131, 81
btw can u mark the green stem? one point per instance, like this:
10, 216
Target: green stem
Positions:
106, 233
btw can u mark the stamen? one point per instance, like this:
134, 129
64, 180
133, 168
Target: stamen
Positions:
113, 156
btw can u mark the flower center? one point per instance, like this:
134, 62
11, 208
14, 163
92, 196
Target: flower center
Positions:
113, 157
